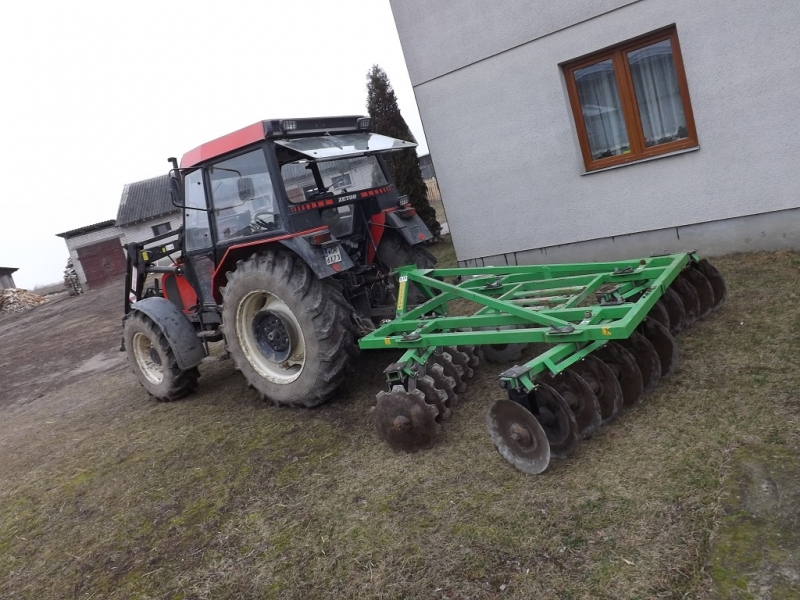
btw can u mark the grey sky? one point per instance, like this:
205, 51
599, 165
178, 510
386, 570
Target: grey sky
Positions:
99, 94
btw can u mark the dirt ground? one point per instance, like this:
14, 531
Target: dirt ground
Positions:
105, 493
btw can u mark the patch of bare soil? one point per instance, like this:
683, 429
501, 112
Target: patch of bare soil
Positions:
58, 342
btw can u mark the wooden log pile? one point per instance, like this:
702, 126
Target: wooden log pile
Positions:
14, 300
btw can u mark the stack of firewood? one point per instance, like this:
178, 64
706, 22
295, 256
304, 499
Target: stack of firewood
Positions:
14, 300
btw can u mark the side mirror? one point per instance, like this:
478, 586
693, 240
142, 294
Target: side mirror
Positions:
175, 190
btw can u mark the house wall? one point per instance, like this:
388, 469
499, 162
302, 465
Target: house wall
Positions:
494, 104
86, 239
6, 282
138, 232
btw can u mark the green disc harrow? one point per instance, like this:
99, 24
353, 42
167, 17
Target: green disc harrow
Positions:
603, 335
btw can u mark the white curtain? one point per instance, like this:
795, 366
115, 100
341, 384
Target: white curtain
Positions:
657, 93
602, 110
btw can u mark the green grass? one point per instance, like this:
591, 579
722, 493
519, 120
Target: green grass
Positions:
224, 496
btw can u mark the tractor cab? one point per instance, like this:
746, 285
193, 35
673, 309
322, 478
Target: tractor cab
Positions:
318, 186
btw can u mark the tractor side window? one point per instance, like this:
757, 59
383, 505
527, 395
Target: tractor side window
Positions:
244, 201
197, 234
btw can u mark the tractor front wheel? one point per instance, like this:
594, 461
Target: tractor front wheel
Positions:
286, 330
153, 361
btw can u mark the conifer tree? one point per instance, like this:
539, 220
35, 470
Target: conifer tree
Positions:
404, 165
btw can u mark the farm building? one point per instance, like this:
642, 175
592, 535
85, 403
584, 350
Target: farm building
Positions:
6, 279
600, 129
145, 210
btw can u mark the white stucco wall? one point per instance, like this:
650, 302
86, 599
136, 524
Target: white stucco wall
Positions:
138, 232
507, 154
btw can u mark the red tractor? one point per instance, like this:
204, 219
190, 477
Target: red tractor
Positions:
292, 230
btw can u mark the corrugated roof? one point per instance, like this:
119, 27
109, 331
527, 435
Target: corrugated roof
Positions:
144, 200
86, 229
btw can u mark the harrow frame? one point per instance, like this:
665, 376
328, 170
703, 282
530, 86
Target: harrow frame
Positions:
543, 303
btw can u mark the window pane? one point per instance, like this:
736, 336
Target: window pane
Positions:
602, 110
658, 94
196, 228
241, 188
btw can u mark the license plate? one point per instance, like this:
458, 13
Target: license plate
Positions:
332, 255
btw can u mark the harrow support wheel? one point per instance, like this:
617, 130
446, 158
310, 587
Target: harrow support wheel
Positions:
581, 400
689, 298
445, 360
434, 395
703, 288
625, 369
502, 353
405, 420
518, 436
557, 420
647, 359
716, 280
677, 313
602, 382
664, 343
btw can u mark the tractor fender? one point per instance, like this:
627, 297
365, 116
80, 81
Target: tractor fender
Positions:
314, 256
179, 332
412, 229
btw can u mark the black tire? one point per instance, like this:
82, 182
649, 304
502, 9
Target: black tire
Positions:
153, 361
394, 251
307, 312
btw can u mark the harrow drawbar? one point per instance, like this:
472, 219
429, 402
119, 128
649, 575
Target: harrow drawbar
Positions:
603, 334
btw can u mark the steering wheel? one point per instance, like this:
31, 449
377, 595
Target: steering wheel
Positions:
259, 222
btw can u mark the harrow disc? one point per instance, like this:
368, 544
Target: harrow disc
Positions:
451, 369
444, 383
518, 436
472, 354
625, 369
703, 288
659, 313
461, 359
434, 395
602, 382
646, 357
690, 299
405, 420
677, 313
716, 280
664, 343
557, 420
580, 398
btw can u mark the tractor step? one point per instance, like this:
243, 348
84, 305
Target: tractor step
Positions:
604, 334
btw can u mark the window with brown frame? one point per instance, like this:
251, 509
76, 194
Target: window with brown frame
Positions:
631, 101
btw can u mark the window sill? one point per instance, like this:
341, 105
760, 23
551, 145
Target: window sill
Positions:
643, 160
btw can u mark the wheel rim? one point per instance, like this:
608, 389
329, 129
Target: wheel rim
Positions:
147, 358
270, 337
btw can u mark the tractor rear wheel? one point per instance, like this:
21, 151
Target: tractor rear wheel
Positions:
287, 331
153, 361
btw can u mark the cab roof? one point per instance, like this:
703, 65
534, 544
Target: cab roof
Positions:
272, 129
